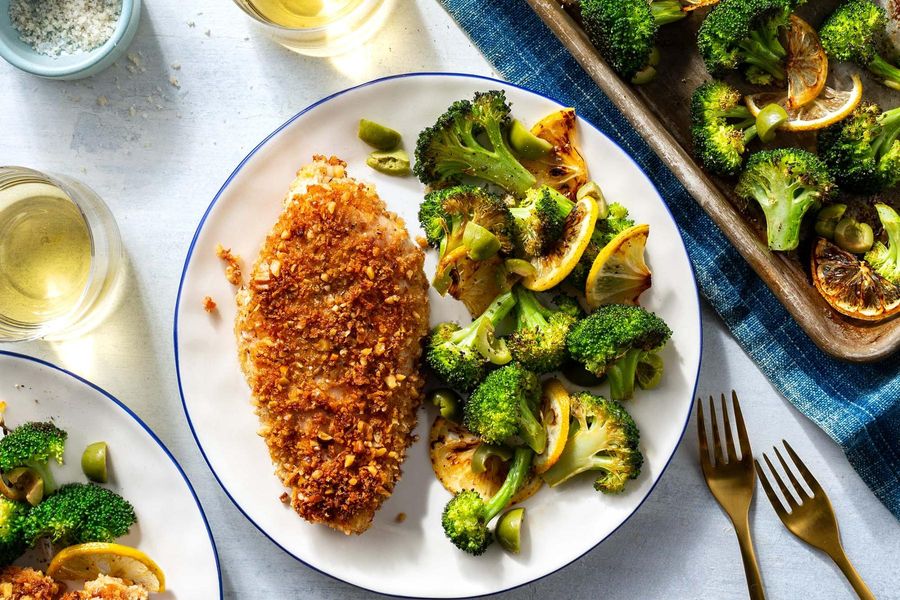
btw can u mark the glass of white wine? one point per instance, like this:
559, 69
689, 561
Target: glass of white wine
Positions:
318, 27
61, 257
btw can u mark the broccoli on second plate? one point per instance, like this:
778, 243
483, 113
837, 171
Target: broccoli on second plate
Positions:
624, 31
79, 513
12, 518
885, 258
503, 408
539, 341
466, 517
721, 127
744, 33
862, 150
613, 340
603, 438
540, 220
786, 183
450, 149
854, 33
34, 445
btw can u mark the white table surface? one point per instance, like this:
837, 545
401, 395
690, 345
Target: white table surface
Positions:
158, 153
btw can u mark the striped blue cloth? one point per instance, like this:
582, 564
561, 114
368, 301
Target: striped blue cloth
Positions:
857, 405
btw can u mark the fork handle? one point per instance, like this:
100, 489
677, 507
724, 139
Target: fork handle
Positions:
859, 586
748, 555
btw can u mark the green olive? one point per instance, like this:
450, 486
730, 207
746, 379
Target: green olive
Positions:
28, 483
484, 452
489, 346
649, 370
769, 119
653, 59
509, 529
93, 462
480, 242
853, 236
395, 162
828, 218
592, 189
377, 135
519, 267
448, 403
645, 75
526, 144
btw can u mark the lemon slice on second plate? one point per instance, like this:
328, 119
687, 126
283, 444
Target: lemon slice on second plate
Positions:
552, 268
619, 274
85, 562
829, 107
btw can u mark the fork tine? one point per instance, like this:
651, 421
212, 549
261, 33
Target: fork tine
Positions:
701, 434
810, 480
743, 439
797, 487
773, 497
784, 489
729, 438
717, 444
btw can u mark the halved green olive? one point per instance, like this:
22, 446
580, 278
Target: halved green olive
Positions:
29, 484
448, 403
828, 218
93, 462
377, 135
853, 236
653, 59
509, 529
491, 347
645, 75
394, 163
769, 119
480, 242
520, 267
486, 451
649, 370
526, 144
592, 189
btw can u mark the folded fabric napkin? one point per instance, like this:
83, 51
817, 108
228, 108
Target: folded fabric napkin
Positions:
857, 405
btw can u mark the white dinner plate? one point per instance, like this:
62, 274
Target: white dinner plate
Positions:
413, 558
171, 527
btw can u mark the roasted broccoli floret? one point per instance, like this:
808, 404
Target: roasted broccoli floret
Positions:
540, 220
863, 151
786, 183
613, 339
502, 408
744, 33
33, 445
466, 517
603, 437
447, 214
854, 33
605, 230
450, 149
721, 127
460, 355
79, 513
624, 31
539, 341
885, 258
12, 518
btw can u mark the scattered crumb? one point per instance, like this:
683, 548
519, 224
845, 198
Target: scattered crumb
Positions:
285, 498
232, 266
400, 517
209, 304
102, 100
208, 33
174, 82
176, 66
422, 242
132, 111
191, 24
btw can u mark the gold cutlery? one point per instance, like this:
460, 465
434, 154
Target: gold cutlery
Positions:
732, 482
811, 518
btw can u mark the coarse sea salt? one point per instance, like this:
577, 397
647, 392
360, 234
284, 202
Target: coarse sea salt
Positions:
60, 27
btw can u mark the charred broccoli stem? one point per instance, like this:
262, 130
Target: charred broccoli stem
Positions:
853, 33
721, 127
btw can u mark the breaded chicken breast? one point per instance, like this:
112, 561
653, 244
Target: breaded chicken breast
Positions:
108, 588
329, 330
17, 583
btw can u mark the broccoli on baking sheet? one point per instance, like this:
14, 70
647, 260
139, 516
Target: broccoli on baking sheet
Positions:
721, 127
854, 33
885, 258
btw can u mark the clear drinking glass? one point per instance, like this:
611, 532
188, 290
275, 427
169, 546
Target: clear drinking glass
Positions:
61, 257
318, 27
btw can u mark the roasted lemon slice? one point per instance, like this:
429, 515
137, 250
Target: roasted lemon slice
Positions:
829, 107
85, 562
552, 268
807, 65
562, 168
850, 285
619, 274
555, 416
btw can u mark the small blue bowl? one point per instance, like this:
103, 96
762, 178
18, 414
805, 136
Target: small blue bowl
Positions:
75, 66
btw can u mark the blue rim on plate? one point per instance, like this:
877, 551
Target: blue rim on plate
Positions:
240, 166
130, 413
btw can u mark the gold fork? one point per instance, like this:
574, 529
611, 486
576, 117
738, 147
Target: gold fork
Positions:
812, 518
732, 482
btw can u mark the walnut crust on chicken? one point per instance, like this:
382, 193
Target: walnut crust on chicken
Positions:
329, 328
108, 588
18, 583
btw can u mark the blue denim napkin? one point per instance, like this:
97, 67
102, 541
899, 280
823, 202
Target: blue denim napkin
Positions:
857, 405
